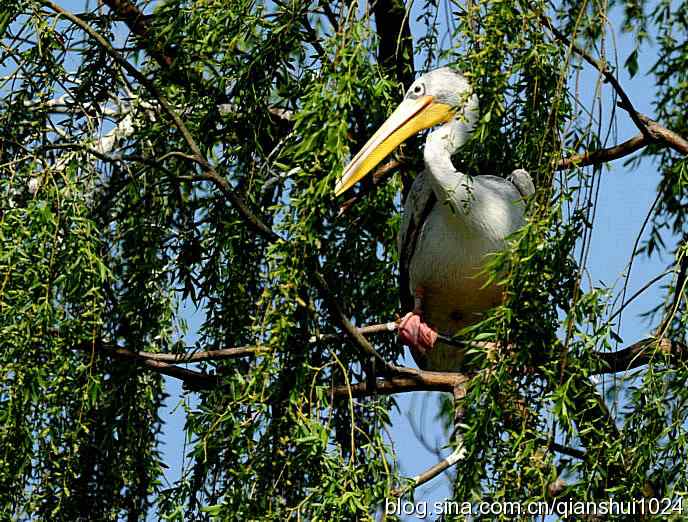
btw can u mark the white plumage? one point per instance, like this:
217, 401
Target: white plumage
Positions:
452, 222
448, 260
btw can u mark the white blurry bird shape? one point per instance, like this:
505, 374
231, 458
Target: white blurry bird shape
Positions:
452, 222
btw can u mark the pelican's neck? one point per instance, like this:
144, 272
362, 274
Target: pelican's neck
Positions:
449, 185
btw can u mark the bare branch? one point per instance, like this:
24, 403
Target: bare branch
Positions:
642, 353
596, 157
193, 379
207, 355
662, 134
413, 380
457, 455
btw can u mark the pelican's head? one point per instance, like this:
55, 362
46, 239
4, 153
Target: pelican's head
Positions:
437, 97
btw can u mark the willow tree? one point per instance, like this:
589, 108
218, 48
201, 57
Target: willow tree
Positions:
161, 156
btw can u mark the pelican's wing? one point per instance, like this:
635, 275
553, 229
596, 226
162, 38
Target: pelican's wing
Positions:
418, 205
523, 182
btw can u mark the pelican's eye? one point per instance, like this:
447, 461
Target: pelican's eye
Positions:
416, 91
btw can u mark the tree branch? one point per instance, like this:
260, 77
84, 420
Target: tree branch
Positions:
457, 455
642, 353
395, 52
661, 134
596, 157
651, 130
353, 333
193, 379
413, 380
208, 355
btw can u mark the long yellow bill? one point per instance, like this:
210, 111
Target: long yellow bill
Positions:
410, 117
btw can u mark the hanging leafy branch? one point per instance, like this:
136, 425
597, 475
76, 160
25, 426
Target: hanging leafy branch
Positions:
156, 158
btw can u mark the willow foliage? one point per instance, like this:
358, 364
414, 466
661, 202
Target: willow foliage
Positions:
157, 157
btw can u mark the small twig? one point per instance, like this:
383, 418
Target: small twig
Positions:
208, 355
457, 455
372, 329
679, 293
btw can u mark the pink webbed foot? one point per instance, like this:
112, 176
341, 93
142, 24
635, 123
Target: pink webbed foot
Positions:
415, 333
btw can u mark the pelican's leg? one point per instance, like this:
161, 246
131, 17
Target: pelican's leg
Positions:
413, 331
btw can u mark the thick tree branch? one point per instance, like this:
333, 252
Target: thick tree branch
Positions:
396, 44
661, 134
395, 51
413, 380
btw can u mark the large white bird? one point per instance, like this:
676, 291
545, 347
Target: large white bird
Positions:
452, 221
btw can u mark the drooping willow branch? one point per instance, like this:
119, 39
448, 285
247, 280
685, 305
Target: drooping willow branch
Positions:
253, 221
602, 67
650, 130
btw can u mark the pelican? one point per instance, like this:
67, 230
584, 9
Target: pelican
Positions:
452, 222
